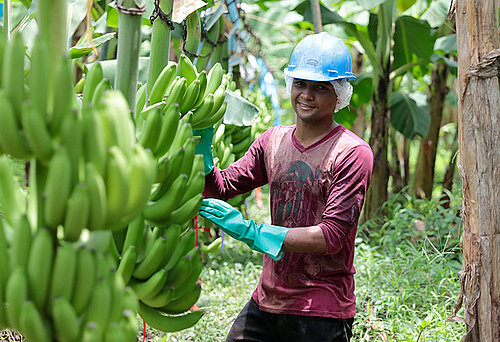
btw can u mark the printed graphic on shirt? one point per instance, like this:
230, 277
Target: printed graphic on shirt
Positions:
297, 192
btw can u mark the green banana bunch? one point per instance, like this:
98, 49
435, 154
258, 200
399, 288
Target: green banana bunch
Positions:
12, 202
207, 46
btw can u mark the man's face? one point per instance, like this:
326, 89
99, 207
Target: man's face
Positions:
313, 101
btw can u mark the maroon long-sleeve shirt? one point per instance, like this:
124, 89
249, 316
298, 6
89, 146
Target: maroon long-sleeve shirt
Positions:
323, 184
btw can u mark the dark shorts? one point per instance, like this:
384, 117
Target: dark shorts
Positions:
254, 325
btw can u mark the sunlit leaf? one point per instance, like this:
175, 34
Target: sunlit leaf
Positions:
403, 5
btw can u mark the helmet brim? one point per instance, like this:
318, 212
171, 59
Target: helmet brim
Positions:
313, 76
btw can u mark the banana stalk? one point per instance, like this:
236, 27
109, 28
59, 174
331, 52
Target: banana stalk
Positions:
7, 22
160, 44
129, 41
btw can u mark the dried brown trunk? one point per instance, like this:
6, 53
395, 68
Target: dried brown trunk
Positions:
426, 160
479, 141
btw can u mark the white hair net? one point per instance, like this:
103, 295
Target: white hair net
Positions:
343, 89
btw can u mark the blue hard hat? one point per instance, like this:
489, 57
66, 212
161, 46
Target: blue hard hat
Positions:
320, 57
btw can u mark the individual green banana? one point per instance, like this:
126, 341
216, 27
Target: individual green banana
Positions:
58, 187
163, 169
98, 205
13, 73
172, 236
193, 34
185, 302
135, 233
154, 259
203, 111
38, 76
202, 76
162, 208
117, 286
191, 280
196, 181
187, 68
190, 97
127, 264
37, 133
175, 163
213, 247
241, 134
77, 212
66, 321
92, 79
21, 244
161, 299
157, 320
219, 134
99, 307
94, 146
176, 92
188, 210
180, 272
151, 129
12, 139
32, 324
219, 97
72, 140
117, 184
12, 202
186, 242
40, 267
16, 292
162, 83
103, 86
170, 122
114, 109
84, 279
213, 118
63, 275
184, 132
115, 333
62, 102
214, 78
141, 99
187, 163
151, 286
92, 332
142, 175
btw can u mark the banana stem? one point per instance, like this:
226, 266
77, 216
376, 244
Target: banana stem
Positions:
160, 43
129, 41
7, 22
53, 22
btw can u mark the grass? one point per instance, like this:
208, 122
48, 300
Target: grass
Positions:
406, 282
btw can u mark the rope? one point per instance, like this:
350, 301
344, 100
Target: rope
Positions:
158, 13
184, 36
131, 11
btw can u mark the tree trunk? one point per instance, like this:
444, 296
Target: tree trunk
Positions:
377, 193
426, 160
479, 141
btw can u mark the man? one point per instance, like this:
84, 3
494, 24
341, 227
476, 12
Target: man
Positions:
318, 173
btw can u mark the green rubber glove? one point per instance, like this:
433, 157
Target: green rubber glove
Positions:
264, 238
204, 147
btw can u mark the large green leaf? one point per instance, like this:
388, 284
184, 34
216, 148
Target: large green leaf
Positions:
78, 13
346, 117
327, 16
413, 40
408, 117
362, 90
26, 3
85, 48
